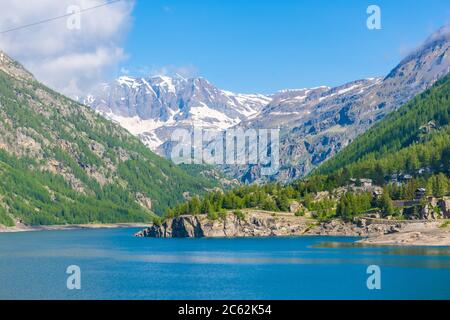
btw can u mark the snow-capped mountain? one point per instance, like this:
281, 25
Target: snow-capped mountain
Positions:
153, 107
315, 123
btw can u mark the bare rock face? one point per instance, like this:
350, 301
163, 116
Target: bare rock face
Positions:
294, 206
317, 123
267, 224
255, 224
428, 213
314, 123
434, 209
444, 205
153, 108
429, 233
144, 201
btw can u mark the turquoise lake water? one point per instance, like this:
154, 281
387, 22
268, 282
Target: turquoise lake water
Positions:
116, 265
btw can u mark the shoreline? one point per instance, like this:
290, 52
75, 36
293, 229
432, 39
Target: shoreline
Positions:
432, 237
266, 224
24, 228
411, 233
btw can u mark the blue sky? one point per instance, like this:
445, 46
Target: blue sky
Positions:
264, 46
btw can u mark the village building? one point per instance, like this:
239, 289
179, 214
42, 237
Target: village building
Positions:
420, 193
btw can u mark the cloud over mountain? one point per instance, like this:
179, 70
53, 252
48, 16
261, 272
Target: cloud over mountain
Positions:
68, 60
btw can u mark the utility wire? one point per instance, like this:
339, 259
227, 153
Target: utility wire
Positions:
59, 17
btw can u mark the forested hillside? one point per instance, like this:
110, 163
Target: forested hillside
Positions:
415, 137
413, 141
60, 162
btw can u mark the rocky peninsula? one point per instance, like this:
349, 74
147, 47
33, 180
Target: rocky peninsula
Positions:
256, 223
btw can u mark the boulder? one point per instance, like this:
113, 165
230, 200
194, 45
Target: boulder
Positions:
254, 224
294, 206
444, 206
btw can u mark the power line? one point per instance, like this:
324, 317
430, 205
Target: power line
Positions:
59, 17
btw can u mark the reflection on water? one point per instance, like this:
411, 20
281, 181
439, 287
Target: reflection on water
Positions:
393, 250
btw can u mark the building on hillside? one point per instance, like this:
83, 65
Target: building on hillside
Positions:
420, 193
407, 177
399, 179
377, 192
365, 183
424, 170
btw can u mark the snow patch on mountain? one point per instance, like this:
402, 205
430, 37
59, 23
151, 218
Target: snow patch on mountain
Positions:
153, 107
204, 117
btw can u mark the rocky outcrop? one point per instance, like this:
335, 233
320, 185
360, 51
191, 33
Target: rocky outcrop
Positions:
180, 227
431, 233
267, 224
295, 206
359, 229
144, 201
444, 205
367, 227
433, 208
253, 224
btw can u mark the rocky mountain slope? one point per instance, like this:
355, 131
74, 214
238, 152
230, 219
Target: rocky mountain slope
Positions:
318, 123
60, 162
152, 108
411, 140
315, 123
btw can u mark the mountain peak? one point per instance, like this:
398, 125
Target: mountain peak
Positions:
151, 107
427, 63
437, 40
442, 34
316, 122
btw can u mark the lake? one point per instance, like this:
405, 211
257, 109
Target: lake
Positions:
116, 265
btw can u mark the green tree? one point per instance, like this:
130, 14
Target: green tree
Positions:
440, 185
269, 205
282, 202
386, 204
195, 206
378, 178
207, 207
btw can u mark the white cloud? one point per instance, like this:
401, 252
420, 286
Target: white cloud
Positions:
408, 49
187, 71
71, 61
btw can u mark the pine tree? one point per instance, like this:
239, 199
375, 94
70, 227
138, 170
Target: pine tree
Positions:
207, 207
195, 206
282, 202
378, 177
440, 185
386, 204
